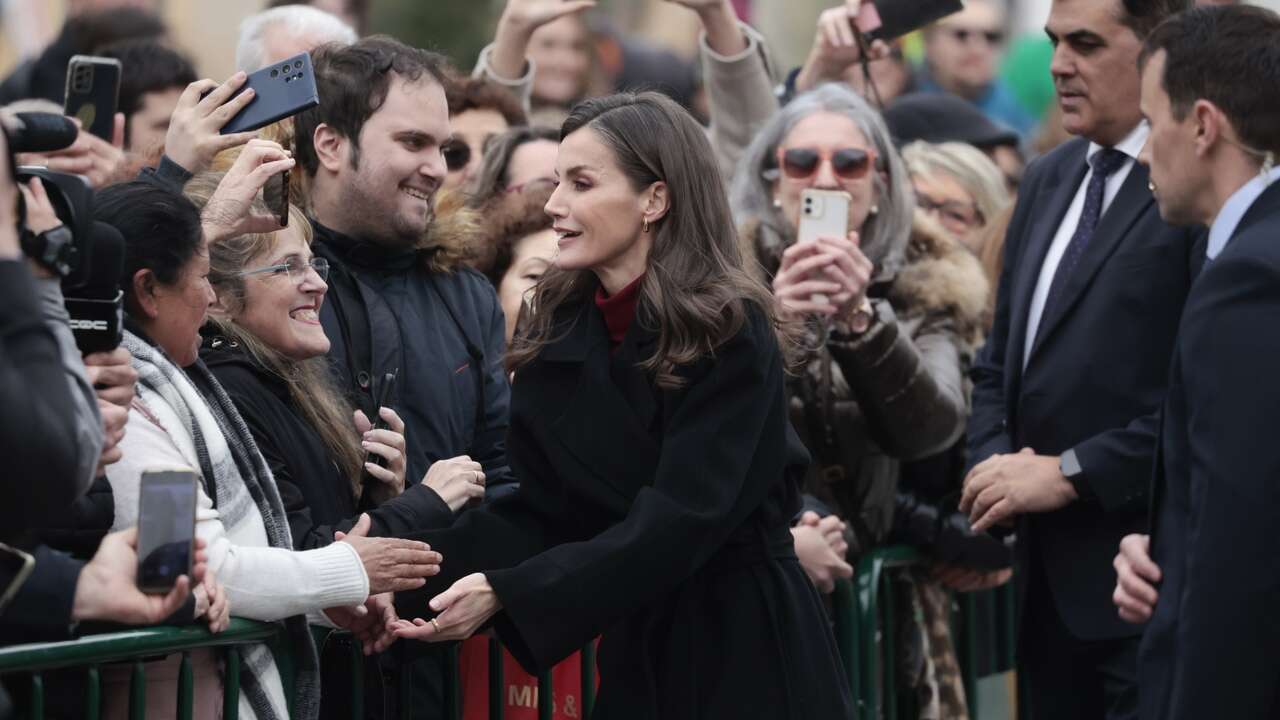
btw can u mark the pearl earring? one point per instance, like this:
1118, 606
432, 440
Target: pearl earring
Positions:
777, 202
875, 210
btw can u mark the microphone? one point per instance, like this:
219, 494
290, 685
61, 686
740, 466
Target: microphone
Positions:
40, 132
97, 310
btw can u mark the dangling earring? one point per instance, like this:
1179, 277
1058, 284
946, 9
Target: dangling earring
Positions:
875, 210
777, 201
644, 224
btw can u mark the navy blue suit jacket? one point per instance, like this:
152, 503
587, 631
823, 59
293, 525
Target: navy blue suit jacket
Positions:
1212, 647
1094, 380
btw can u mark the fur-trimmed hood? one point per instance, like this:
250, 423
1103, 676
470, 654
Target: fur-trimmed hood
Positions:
455, 235
939, 276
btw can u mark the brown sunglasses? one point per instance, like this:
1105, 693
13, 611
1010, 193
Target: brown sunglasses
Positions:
846, 163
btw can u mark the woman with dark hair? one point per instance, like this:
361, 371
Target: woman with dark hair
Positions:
649, 429
518, 158
183, 417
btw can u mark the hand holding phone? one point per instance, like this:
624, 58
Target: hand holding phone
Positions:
823, 213
386, 392
194, 137
281, 90
92, 93
230, 211
166, 528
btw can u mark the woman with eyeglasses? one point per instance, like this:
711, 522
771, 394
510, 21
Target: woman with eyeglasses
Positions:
183, 417
959, 186
894, 312
265, 345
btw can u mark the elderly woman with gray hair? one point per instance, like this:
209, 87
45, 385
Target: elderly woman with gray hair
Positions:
895, 315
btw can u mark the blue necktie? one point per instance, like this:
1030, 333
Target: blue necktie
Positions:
1104, 162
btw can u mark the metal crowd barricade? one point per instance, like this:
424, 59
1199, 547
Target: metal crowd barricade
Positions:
93, 651
863, 610
865, 625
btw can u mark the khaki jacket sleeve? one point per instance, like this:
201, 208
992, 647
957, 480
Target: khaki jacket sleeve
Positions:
740, 95
521, 87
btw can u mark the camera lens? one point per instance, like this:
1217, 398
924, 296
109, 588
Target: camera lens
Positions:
284, 69
297, 65
274, 72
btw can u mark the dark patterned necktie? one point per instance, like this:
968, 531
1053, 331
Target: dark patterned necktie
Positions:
1104, 162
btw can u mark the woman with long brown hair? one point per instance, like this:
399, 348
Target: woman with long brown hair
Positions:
658, 471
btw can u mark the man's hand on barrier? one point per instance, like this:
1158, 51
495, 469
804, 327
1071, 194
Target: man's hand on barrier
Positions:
1136, 579
107, 588
393, 564
1004, 486
193, 138
463, 609
963, 579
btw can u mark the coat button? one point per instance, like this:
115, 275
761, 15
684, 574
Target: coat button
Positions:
362, 378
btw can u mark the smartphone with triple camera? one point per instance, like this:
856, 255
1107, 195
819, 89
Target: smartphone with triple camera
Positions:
281, 90
93, 93
385, 393
275, 194
166, 528
823, 213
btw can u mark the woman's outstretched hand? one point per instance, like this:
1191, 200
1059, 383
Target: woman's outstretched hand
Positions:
464, 608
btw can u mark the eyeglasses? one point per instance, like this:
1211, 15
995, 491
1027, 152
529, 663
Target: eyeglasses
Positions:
954, 215
456, 154
846, 163
296, 269
962, 35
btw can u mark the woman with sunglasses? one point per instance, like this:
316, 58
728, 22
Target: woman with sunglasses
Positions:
894, 312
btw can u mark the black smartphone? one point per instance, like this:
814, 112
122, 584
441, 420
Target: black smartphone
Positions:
166, 528
283, 89
890, 19
385, 393
275, 194
93, 93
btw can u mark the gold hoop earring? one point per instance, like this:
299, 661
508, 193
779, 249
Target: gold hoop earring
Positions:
644, 224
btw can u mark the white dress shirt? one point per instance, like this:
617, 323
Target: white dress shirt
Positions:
1131, 145
1232, 212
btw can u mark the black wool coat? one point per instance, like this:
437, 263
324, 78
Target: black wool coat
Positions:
317, 497
660, 520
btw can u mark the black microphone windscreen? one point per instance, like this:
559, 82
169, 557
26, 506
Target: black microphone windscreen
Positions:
106, 262
42, 132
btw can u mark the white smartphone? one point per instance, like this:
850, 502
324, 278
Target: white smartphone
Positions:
823, 213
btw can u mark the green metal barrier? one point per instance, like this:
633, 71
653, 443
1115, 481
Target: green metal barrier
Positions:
865, 624
863, 612
93, 651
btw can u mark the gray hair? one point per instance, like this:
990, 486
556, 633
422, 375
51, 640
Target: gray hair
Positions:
884, 235
965, 164
302, 20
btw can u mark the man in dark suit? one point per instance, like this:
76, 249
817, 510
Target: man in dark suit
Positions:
1067, 389
1212, 646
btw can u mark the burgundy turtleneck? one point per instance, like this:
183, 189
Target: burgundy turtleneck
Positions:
619, 310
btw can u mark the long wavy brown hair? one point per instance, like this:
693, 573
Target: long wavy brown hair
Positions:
696, 292
310, 382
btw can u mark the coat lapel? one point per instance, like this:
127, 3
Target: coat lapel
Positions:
1130, 203
605, 425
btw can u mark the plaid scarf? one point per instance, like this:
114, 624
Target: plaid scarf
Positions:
237, 479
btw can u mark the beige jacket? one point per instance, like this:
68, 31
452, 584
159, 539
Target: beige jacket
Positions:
740, 94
